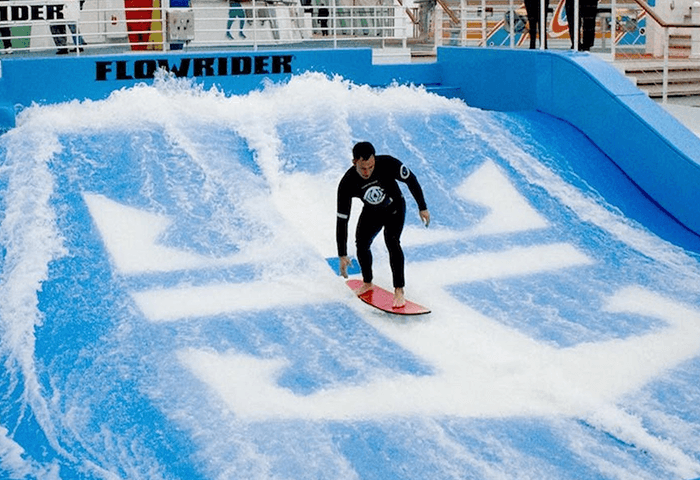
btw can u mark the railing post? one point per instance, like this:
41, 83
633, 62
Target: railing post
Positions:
163, 25
664, 94
402, 25
543, 25
255, 25
511, 20
613, 28
334, 10
483, 23
577, 24
463, 22
695, 32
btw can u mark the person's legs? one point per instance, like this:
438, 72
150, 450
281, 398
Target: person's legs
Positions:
59, 38
532, 9
589, 11
569, 7
392, 238
77, 38
532, 27
367, 229
6, 37
235, 11
588, 34
543, 28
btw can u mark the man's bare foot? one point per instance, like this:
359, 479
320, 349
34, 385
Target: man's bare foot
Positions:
366, 287
399, 299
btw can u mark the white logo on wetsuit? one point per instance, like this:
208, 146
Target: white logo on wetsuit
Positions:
374, 195
404, 172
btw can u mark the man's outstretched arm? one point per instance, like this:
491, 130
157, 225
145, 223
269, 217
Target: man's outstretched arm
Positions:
341, 229
417, 192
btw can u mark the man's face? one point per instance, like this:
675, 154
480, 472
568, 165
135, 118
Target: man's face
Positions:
364, 167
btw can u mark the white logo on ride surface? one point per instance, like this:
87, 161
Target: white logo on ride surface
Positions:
252, 386
375, 195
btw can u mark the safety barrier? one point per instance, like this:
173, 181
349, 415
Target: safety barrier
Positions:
632, 33
106, 26
504, 23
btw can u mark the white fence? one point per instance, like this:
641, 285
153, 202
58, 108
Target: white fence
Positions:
624, 29
122, 25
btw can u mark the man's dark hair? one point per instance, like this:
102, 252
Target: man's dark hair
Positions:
362, 150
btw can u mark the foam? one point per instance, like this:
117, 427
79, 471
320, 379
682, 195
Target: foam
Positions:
479, 368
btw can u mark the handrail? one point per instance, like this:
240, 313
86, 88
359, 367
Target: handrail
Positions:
260, 23
414, 20
264, 23
660, 20
449, 11
666, 26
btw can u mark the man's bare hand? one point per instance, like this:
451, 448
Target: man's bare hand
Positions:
425, 217
344, 264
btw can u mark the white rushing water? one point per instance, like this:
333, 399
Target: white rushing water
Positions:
168, 312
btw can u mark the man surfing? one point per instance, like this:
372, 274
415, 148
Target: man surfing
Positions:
373, 179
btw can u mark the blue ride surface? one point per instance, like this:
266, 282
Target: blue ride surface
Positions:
168, 311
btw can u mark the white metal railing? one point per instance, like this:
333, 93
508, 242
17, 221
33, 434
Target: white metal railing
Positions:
692, 25
505, 24
622, 31
279, 22
116, 25
123, 25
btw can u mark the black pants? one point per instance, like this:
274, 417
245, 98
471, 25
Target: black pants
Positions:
588, 10
368, 226
6, 37
533, 22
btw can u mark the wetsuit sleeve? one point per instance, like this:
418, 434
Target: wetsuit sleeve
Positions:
343, 215
410, 179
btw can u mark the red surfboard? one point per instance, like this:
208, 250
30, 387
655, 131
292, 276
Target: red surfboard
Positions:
383, 300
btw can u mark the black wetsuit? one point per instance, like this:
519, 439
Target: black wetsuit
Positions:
384, 207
